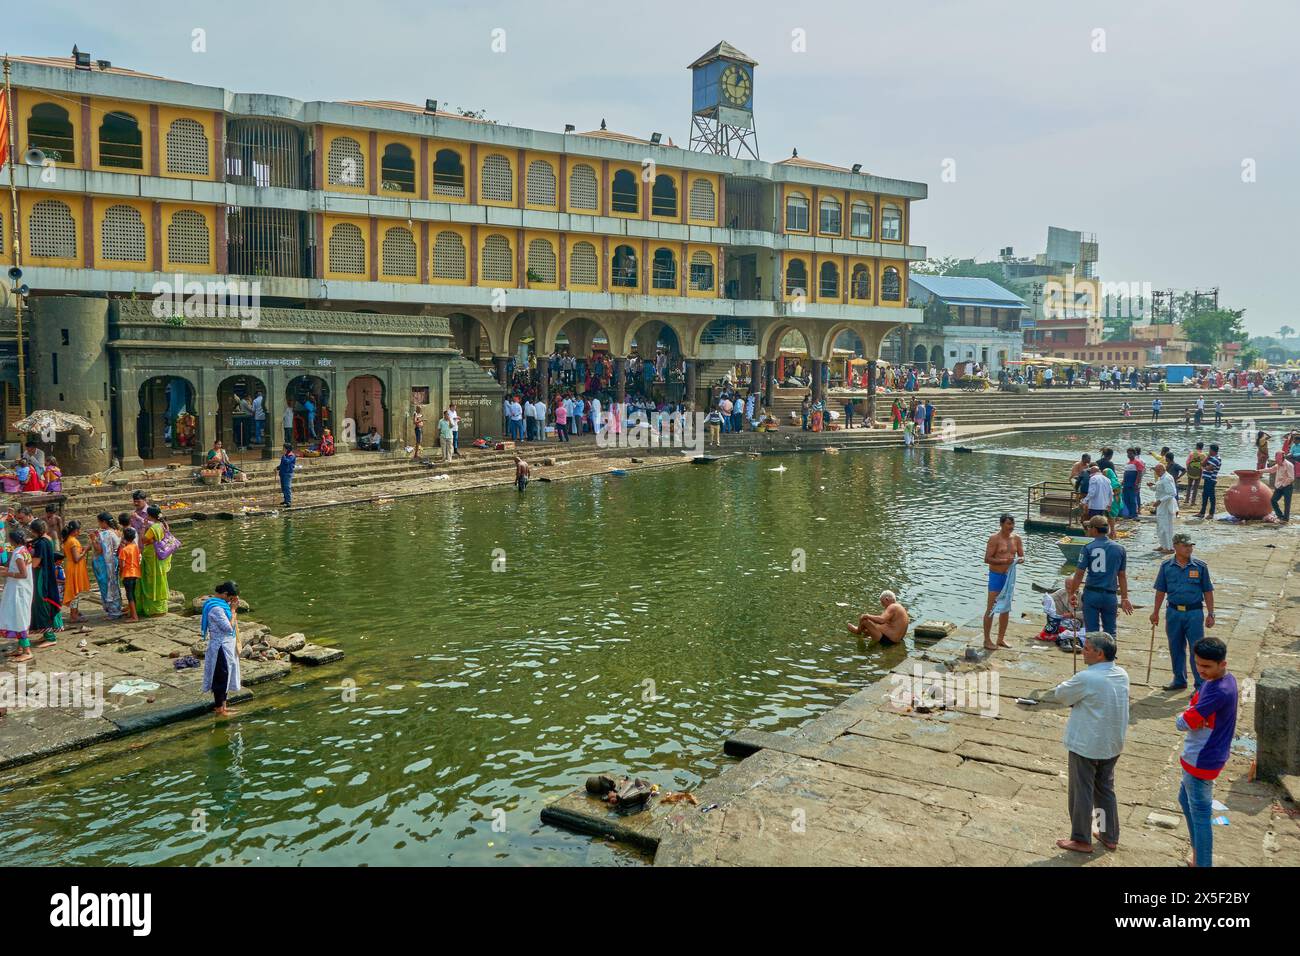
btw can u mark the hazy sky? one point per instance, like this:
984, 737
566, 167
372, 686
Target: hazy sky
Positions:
1142, 144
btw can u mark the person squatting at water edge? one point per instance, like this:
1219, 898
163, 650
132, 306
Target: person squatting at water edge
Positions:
887, 628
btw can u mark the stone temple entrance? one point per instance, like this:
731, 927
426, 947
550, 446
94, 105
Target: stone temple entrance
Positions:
236, 421
309, 397
166, 423
365, 407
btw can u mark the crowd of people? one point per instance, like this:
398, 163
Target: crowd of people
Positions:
48, 569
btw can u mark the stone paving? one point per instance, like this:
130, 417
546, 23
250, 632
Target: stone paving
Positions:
116, 655
865, 784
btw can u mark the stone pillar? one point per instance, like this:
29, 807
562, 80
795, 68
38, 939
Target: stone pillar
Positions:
871, 394
767, 384
690, 381
817, 379
544, 379
755, 375
620, 379
1277, 723
72, 376
500, 361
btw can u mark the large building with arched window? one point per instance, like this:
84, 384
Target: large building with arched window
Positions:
498, 239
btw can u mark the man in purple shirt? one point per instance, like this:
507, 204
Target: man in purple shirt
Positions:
1209, 721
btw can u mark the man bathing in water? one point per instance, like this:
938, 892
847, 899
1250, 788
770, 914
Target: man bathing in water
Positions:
888, 628
1004, 548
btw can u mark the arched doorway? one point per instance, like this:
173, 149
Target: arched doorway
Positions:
237, 404
309, 397
848, 360
166, 423
366, 411
919, 355
936, 358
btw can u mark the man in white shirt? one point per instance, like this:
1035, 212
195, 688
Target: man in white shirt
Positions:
259, 418
539, 415
1094, 737
595, 416
515, 418
455, 428
288, 423
1099, 497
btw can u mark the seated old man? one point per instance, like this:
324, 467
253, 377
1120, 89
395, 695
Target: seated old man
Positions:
887, 628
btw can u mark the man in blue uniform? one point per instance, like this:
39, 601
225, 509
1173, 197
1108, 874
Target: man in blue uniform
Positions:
1102, 571
1185, 581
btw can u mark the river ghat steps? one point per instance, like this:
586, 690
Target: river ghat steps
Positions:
866, 784
115, 653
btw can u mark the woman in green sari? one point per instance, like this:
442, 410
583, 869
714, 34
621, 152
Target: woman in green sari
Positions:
151, 593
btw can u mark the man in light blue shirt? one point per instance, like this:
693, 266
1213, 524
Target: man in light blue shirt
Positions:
1094, 737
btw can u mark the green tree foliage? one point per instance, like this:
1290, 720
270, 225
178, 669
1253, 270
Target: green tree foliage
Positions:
1209, 329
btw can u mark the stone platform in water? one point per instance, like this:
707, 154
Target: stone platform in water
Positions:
141, 687
869, 783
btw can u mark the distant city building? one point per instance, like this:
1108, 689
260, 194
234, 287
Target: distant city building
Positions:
966, 320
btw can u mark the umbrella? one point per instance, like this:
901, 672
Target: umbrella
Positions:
46, 422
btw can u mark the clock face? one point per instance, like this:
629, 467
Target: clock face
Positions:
736, 85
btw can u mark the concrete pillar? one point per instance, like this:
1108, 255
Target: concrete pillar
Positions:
767, 384
871, 394
620, 379
1277, 723
690, 381
817, 379
500, 362
70, 372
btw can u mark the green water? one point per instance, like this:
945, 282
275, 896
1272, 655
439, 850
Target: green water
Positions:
638, 622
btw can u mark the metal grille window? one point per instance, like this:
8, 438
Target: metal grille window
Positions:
860, 287
347, 249
796, 213
623, 195
397, 169
701, 269
448, 256
187, 148
796, 278
188, 242
448, 174
891, 223
347, 167
498, 182
120, 143
663, 196
265, 153
121, 234
703, 206
860, 221
269, 242
829, 287
400, 257
541, 261
664, 275
891, 286
584, 268
583, 193
623, 268
829, 223
50, 130
498, 262
541, 183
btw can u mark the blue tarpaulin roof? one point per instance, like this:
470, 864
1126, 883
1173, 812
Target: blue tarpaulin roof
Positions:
967, 290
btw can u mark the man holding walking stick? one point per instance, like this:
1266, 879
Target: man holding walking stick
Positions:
1101, 570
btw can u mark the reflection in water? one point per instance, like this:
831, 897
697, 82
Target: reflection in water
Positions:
638, 622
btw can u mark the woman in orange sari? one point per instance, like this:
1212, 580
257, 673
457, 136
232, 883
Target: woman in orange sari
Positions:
76, 571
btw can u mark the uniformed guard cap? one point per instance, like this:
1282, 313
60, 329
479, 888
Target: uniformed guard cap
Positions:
1183, 538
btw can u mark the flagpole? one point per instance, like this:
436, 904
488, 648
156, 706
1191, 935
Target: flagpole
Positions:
13, 198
